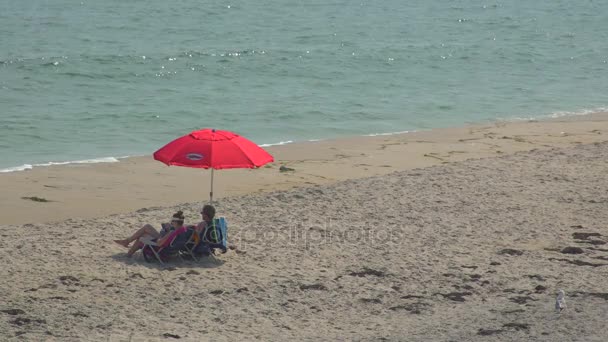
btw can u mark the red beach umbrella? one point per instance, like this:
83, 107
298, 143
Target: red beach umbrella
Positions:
214, 149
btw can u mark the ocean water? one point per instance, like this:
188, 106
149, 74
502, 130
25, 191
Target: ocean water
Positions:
97, 80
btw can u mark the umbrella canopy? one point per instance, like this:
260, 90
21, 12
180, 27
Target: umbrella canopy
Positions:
215, 149
211, 148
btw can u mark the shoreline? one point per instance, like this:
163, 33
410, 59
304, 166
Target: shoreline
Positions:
575, 115
101, 189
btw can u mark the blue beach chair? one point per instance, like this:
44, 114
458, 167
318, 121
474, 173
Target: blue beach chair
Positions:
215, 236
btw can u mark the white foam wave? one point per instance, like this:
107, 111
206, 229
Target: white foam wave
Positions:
558, 114
17, 168
578, 113
85, 161
388, 133
277, 144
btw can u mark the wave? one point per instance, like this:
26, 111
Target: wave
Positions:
557, 115
25, 167
277, 144
17, 168
387, 133
579, 113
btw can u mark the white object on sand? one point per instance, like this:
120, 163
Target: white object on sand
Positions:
560, 301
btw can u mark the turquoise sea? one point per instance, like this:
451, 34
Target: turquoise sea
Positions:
96, 80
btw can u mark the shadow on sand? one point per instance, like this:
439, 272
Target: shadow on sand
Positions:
174, 263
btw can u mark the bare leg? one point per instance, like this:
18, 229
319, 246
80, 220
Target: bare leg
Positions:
136, 246
122, 243
145, 230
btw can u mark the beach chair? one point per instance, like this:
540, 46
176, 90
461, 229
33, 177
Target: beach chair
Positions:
214, 236
191, 244
170, 248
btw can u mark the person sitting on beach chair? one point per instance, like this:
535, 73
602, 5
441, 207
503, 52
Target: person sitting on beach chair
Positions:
148, 233
171, 245
211, 232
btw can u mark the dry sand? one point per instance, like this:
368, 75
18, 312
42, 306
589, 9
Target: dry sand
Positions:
435, 247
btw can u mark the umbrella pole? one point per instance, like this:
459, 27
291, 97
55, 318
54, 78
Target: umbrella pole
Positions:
211, 192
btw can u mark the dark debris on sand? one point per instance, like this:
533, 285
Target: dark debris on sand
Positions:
413, 308
601, 295
522, 299
593, 242
488, 332
371, 300
69, 280
584, 236
572, 250
455, 296
510, 251
13, 312
319, 287
579, 262
536, 277
368, 271
169, 335
517, 326
19, 321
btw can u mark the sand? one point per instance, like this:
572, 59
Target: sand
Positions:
97, 190
452, 241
